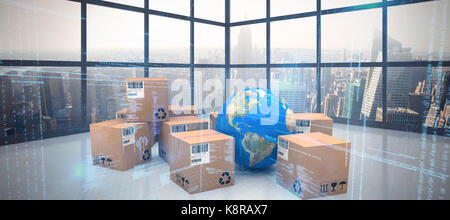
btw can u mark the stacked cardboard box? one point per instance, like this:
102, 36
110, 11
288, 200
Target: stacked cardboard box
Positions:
313, 164
125, 142
313, 122
178, 124
177, 111
202, 160
120, 145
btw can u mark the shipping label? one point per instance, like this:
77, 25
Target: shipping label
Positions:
128, 136
178, 128
283, 148
135, 90
199, 154
303, 126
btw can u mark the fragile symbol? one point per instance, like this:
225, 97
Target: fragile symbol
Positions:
160, 114
297, 187
183, 181
147, 155
225, 178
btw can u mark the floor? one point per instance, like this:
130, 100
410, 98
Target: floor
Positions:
384, 164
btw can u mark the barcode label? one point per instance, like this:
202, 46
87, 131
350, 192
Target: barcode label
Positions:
303, 126
199, 154
128, 136
283, 148
121, 116
178, 128
135, 90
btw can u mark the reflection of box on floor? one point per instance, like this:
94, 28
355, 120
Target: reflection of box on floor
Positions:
313, 165
313, 122
202, 160
147, 99
178, 124
177, 111
120, 145
213, 119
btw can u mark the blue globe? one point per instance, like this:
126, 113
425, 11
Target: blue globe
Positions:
255, 118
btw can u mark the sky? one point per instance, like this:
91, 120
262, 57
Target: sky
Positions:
55, 25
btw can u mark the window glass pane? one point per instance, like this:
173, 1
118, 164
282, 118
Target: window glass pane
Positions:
209, 89
110, 37
137, 3
297, 86
169, 40
40, 30
181, 7
179, 84
419, 31
209, 48
327, 4
354, 93
293, 41
247, 10
38, 100
106, 92
286, 7
418, 97
210, 9
243, 78
248, 44
352, 36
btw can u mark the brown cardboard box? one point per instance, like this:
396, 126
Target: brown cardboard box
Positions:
179, 124
313, 122
213, 119
313, 164
147, 99
121, 114
177, 111
120, 145
202, 163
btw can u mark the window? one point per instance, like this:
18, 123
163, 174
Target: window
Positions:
169, 40
209, 48
40, 30
209, 89
293, 41
106, 91
286, 7
213, 10
297, 86
38, 100
181, 7
248, 44
419, 32
179, 84
244, 78
352, 93
361, 31
110, 37
418, 96
247, 10
137, 3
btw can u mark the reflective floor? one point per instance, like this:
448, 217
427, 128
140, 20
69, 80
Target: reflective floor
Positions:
385, 164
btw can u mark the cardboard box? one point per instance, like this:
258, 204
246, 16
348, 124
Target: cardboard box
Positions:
179, 124
120, 145
213, 119
121, 114
147, 99
313, 122
313, 164
204, 162
177, 111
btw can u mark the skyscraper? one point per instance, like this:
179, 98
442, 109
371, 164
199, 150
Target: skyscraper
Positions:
353, 99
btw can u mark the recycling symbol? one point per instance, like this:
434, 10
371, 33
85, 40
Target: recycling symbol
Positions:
147, 155
225, 178
161, 114
297, 187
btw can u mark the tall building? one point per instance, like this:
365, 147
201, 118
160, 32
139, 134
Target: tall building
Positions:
353, 99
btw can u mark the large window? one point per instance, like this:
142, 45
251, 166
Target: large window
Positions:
377, 61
